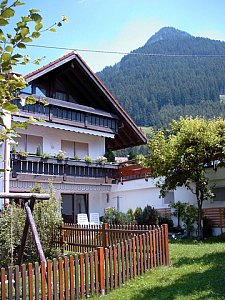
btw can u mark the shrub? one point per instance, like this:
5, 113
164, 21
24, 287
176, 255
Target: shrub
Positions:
131, 214
138, 215
166, 220
150, 216
110, 156
88, 159
45, 155
187, 214
13, 150
23, 153
61, 155
101, 160
190, 218
38, 151
113, 216
47, 218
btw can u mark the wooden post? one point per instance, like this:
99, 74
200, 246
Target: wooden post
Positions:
101, 275
62, 238
34, 232
105, 235
25, 232
166, 243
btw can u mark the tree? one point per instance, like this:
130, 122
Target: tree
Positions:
28, 28
180, 155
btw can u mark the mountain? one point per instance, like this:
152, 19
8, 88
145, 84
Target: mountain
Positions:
173, 74
167, 33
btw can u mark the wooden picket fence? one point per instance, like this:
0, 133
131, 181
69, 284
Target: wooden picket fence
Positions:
86, 274
83, 238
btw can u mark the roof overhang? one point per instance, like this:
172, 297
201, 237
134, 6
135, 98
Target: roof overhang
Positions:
128, 134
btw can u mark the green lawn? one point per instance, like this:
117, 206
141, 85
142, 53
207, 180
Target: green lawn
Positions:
197, 271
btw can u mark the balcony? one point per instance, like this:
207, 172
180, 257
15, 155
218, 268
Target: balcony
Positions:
66, 113
131, 171
36, 165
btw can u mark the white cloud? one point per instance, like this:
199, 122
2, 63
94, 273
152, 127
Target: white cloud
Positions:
132, 36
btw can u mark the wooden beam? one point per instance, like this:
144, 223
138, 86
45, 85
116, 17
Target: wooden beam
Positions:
25, 196
24, 236
34, 232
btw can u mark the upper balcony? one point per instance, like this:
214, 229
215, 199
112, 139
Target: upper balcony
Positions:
72, 114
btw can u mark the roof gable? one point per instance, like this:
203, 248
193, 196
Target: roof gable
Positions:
129, 134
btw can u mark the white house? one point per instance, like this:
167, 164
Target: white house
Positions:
82, 121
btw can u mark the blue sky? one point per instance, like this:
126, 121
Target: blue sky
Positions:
120, 25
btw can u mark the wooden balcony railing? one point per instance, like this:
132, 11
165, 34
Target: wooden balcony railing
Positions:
67, 167
59, 111
132, 171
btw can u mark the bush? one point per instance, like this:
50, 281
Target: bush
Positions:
150, 216
110, 156
115, 217
166, 220
138, 214
131, 214
47, 218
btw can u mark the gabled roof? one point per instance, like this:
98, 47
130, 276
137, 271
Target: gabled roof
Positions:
129, 134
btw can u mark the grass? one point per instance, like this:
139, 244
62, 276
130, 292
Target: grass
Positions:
197, 271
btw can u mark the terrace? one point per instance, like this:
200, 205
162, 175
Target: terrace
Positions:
67, 167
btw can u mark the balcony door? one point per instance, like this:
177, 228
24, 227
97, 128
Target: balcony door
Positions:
73, 204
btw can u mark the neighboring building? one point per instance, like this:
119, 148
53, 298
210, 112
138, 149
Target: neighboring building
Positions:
135, 188
82, 120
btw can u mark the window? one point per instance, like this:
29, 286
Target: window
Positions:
40, 91
169, 198
73, 204
81, 149
71, 99
29, 143
61, 96
74, 148
69, 148
33, 142
219, 193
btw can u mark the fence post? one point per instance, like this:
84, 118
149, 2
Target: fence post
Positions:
105, 235
101, 275
62, 238
166, 243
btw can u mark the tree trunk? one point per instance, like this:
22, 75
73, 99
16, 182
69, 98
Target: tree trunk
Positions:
200, 226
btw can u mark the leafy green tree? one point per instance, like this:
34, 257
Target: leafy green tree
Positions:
179, 156
27, 29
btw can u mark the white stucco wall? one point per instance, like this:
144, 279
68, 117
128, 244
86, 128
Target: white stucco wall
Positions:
136, 193
52, 140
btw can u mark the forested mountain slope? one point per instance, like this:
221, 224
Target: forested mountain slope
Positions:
154, 89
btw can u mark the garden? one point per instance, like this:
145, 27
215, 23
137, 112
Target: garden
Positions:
196, 272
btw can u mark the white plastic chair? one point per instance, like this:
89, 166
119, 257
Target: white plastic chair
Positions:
94, 219
82, 219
